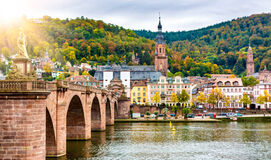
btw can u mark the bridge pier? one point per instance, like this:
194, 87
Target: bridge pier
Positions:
110, 113
22, 125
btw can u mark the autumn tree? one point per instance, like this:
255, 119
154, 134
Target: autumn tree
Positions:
47, 68
156, 98
202, 98
216, 96
85, 73
174, 98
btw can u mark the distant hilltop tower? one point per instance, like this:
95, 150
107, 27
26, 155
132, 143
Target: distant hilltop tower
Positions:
161, 59
250, 62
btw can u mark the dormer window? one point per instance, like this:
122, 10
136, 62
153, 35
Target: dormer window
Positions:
219, 83
235, 83
228, 83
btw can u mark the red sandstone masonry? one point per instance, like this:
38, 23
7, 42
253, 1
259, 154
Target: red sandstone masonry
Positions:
22, 128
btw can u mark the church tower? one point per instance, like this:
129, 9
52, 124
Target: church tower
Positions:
250, 62
161, 59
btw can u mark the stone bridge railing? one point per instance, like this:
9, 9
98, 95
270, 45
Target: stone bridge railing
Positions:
39, 86
19, 86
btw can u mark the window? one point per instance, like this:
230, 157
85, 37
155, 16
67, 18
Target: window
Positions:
162, 86
138, 94
138, 89
144, 94
235, 83
219, 83
151, 86
134, 100
143, 89
133, 94
178, 86
178, 80
162, 80
228, 83
144, 100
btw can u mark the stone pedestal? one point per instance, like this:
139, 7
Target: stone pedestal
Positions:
23, 64
22, 125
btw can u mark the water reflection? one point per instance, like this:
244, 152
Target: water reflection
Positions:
189, 141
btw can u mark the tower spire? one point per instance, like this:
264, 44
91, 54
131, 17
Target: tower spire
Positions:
159, 24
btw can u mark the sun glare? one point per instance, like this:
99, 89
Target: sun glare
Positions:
12, 9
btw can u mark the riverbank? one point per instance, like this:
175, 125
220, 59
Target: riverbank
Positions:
189, 120
248, 119
253, 118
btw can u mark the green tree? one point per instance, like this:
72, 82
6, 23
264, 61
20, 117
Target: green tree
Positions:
175, 109
245, 100
186, 111
249, 81
183, 97
164, 111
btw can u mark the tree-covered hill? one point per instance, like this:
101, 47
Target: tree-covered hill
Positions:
224, 44
220, 48
76, 40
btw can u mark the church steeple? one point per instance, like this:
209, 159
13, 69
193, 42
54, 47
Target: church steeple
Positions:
159, 36
250, 62
161, 59
159, 25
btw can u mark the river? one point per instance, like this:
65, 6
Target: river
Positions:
129, 141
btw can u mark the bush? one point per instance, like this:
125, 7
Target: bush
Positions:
148, 113
155, 113
186, 111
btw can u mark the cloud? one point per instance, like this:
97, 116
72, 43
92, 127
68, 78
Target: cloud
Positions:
143, 14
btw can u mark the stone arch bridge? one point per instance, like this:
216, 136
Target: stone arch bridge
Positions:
36, 118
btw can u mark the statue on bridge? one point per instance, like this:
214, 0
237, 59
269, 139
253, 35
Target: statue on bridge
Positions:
21, 67
21, 45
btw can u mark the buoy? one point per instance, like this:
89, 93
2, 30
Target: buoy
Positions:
170, 124
173, 129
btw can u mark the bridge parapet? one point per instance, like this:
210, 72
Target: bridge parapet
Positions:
20, 86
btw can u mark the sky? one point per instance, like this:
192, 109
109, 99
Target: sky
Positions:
176, 15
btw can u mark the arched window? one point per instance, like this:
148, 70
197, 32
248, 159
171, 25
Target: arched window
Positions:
235, 83
228, 83
219, 83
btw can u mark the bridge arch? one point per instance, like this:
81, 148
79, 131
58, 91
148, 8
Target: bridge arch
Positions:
75, 119
96, 115
109, 114
50, 135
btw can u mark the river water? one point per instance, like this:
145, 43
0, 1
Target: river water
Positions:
129, 141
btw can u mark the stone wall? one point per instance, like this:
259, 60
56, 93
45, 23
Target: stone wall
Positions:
123, 109
22, 126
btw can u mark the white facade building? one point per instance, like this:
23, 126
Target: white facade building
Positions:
166, 86
108, 76
125, 79
231, 87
